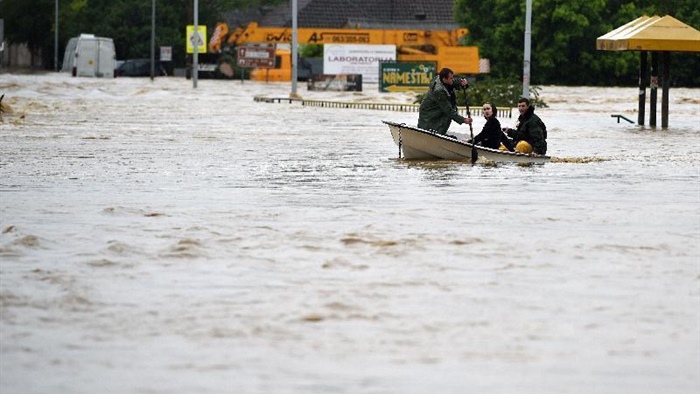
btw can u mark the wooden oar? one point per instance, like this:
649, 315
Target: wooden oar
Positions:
475, 153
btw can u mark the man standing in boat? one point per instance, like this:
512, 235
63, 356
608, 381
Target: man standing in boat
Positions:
439, 106
530, 134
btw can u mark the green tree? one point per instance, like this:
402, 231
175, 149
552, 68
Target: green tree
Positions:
563, 32
128, 22
563, 39
30, 22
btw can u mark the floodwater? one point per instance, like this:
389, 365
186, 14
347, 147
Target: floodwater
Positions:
158, 238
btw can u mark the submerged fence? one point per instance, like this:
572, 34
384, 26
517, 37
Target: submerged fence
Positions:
475, 111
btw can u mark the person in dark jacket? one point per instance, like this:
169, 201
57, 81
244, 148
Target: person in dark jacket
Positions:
530, 134
491, 135
439, 106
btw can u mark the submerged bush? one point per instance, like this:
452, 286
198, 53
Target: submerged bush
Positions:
503, 93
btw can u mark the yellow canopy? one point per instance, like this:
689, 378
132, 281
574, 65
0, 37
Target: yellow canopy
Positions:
651, 34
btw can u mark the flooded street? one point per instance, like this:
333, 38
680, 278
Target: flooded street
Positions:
162, 239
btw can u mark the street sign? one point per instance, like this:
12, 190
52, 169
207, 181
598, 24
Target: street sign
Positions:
166, 54
258, 56
197, 39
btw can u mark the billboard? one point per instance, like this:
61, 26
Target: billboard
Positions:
357, 59
404, 76
335, 82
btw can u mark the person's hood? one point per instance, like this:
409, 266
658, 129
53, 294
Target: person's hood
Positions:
436, 86
530, 111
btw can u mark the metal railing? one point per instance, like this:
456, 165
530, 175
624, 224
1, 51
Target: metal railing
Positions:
476, 111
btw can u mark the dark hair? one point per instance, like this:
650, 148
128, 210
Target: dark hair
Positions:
524, 100
493, 108
445, 72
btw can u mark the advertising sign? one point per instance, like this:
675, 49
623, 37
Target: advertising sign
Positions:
199, 39
357, 59
405, 76
259, 56
338, 83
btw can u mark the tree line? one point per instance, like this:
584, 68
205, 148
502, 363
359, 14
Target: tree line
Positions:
563, 39
563, 33
127, 22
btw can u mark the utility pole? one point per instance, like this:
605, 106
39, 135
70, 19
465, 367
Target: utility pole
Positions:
295, 49
195, 67
55, 42
153, 39
526, 60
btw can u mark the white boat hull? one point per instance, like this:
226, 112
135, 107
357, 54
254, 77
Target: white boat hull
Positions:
419, 144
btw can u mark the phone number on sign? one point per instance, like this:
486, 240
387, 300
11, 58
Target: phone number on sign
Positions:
347, 39
339, 38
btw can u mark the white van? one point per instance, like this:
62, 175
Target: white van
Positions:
90, 56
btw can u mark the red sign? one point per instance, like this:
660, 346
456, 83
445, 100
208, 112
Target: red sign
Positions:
258, 56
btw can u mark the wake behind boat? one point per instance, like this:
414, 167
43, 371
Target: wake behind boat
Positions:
421, 144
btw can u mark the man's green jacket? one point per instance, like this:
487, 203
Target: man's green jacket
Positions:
437, 110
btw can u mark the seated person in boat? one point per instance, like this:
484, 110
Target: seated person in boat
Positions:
491, 135
530, 134
439, 106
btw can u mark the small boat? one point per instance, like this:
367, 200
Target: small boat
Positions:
421, 144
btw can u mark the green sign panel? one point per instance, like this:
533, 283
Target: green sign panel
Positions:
405, 76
